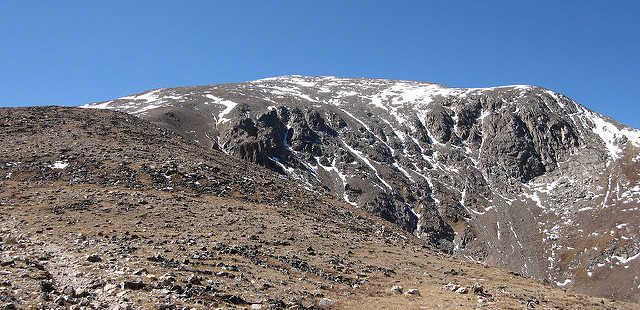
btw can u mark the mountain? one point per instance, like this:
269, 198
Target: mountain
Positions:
519, 177
103, 210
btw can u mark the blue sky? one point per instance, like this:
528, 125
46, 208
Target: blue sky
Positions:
77, 52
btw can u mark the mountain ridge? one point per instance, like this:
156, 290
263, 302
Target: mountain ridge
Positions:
461, 168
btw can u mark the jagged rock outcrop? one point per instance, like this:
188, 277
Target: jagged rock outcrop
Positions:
517, 176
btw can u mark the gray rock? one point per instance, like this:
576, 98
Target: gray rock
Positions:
413, 291
46, 286
94, 258
479, 290
133, 285
69, 291
44, 297
326, 303
166, 280
452, 286
462, 290
60, 300
396, 289
194, 279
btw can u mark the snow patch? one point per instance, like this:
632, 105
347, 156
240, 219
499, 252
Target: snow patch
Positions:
622, 260
228, 107
59, 165
483, 115
534, 197
610, 134
146, 96
556, 97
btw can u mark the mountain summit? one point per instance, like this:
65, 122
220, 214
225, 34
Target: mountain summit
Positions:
516, 176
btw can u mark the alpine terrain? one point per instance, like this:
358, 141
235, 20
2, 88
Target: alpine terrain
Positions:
104, 210
519, 177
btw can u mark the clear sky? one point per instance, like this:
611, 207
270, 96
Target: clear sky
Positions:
77, 52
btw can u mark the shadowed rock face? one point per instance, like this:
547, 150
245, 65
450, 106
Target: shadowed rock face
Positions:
517, 176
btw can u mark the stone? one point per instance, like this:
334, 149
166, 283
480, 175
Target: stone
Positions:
60, 300
44, 297
123, 306
110, 287
132, 285
222, 274
156, 258
462, 290
479, 290
396, 289
69, 291
81, 293
94, 258
194, 279
413, 291
452, 286
326, 303
166, 280
46, 286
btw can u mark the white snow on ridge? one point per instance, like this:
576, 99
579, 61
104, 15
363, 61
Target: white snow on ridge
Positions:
302, 82
402, 94
383, 93
633, 135
104, 105
146, 108
610, 134
136, 104
356, 119
555, 97
397, 97
229, 105
147, 96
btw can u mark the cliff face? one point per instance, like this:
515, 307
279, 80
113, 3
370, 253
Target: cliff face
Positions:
517, 176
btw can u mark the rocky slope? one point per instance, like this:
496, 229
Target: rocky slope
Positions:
102, 210
517, 176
